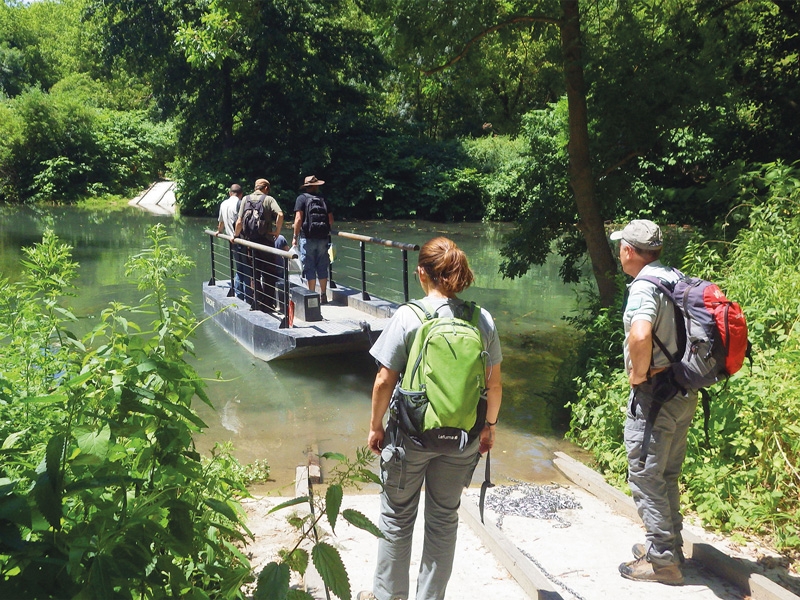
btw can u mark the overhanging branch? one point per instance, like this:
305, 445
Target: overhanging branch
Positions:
485, 32
620, 163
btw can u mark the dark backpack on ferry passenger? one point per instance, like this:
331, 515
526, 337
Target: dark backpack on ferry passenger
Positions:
256, 219
440, 400
316, 225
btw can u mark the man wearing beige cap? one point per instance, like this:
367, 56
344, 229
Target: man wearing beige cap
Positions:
262, 292
659, 412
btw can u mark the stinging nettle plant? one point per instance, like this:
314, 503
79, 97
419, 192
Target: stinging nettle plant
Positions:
274, 581
102, 493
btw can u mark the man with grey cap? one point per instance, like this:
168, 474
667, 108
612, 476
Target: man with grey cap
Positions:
659, 412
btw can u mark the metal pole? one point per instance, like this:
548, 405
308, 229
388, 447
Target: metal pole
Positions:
285, 321
331, 282
252, 253
231, 270
405, 276
364, 294
213, 280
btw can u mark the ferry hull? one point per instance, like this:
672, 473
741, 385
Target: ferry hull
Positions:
349, 325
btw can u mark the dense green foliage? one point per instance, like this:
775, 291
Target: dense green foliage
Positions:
101, 491
212, 92
68, 131
659, 99
748, 478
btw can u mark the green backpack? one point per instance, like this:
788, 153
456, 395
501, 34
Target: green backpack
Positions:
440, 400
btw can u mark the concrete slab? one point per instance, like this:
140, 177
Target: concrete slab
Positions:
516, 557
158, 199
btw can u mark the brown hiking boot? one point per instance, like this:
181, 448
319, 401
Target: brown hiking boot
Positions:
641, 570
640, 550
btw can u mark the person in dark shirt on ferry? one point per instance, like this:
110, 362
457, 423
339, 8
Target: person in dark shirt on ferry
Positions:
312, 229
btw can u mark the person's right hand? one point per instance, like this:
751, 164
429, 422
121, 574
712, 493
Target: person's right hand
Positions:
487, 439
375, 440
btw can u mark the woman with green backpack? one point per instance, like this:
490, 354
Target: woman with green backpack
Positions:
442, 417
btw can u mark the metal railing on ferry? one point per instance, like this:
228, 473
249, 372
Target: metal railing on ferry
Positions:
370, 264
255, 273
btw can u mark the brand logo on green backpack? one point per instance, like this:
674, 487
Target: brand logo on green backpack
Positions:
440, 401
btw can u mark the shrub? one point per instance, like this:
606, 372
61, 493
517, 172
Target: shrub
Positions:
102, 493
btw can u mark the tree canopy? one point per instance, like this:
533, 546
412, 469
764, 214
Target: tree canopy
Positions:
459, 109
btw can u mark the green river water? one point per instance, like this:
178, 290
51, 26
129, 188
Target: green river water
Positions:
275, 411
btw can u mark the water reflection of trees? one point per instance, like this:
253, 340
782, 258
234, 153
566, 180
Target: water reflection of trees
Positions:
528, 310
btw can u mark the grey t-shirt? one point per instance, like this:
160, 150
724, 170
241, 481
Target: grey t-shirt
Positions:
646, 302
228, 214
391, 348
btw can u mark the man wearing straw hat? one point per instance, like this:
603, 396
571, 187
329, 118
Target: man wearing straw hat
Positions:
312, 229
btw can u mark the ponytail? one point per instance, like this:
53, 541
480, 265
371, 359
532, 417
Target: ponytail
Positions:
446, 266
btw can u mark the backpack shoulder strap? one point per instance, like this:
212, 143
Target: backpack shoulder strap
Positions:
471, 313
420, 310
252, 199
668, 289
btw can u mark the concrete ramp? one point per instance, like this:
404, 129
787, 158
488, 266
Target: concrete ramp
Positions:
158, 199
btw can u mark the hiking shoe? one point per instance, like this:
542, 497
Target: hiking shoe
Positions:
640, 550
324, 300
641, 570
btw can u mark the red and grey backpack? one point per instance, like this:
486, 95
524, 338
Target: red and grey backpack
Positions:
712, 344
711, 334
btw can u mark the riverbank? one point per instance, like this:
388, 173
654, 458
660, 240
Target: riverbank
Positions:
571, 554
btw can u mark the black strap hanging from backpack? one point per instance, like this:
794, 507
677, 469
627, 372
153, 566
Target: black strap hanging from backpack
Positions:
664, 384
652, 414
487, 483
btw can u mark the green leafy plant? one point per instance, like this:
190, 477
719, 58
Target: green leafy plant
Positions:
274, 579
102, 493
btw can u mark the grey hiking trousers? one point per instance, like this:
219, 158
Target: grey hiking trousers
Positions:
654, 484
403, 472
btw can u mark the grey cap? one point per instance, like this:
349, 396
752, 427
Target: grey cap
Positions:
641, 233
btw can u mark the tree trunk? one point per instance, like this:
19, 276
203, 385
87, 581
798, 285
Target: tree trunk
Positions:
590, 220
